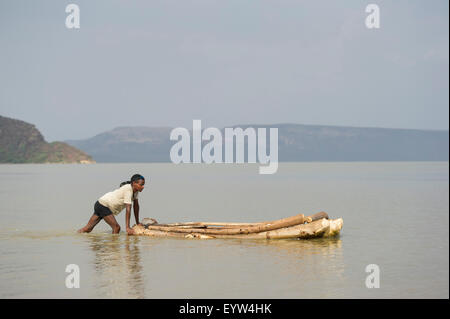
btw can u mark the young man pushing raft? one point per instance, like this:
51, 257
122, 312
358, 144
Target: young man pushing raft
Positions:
114, 202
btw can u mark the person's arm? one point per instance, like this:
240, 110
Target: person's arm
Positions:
136, 211
127, 219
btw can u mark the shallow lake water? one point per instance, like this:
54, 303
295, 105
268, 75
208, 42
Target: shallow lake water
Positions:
395, 216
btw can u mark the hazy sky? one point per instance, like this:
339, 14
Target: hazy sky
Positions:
225, 62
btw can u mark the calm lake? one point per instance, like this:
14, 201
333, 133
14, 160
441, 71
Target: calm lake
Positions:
396, 215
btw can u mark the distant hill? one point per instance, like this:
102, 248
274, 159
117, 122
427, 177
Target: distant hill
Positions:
296, 143
128, 144
21, 142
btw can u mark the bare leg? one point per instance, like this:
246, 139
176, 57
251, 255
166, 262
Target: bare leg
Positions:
111, 220
93, 221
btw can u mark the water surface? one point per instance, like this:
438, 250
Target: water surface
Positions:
395, 215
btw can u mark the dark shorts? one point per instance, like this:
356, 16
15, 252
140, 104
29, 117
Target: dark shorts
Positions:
101, 211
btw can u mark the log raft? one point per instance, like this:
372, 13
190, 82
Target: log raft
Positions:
298, 226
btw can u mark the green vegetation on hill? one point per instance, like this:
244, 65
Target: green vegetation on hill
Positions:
21, 142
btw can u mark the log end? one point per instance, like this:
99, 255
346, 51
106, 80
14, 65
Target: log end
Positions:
335, 227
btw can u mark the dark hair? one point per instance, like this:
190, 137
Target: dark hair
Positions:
134, 178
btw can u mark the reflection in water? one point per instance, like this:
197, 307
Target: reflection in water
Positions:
321, 257
118, 265
294, 248
305, 262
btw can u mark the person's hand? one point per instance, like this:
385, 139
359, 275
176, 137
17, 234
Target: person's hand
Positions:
130, 231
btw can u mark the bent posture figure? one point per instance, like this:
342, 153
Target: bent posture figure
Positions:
114, 202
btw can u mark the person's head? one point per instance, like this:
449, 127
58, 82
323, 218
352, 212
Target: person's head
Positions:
137, 182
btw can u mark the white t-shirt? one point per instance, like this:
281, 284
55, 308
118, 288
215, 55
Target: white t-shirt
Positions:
117, 199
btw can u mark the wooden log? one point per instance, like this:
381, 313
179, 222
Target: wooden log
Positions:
169, 226
206, 224
318, 216
335, 227
141, 230
281, 223
314, 229
224, 225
